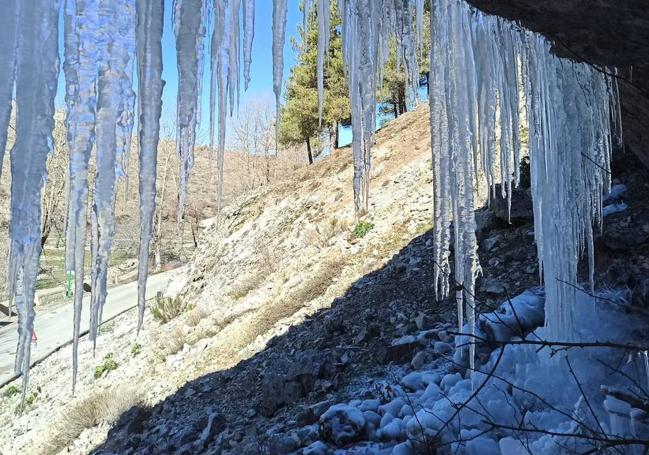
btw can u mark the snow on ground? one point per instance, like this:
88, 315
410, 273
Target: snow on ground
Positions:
565, 396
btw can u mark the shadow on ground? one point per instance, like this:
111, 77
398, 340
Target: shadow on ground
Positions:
337, 354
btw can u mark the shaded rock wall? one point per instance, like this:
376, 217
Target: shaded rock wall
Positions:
612, 33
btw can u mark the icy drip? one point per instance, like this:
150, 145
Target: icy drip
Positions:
82, 58
189, 29
279, 35
150, 15
220, 77
113, 105
367, 27
8, 24
37, 66
477, 65
570, 116
324, 15
248, 37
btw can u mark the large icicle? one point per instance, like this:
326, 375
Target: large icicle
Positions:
113, 102
279, 35
324, 14
8, 45
82, 27
37, 65
477, 64
189, 28
248, 37
150, 15
220, 78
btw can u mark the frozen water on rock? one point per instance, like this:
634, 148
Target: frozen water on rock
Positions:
568, 107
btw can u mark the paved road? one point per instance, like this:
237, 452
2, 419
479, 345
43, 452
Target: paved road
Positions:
54, 326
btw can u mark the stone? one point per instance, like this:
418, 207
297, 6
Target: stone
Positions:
418, 361
490, 243
317, 448
341, 424
402, 349
215, 425
492, 286
442, 348
521, 206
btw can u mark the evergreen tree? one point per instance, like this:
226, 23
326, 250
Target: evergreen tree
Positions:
299, 122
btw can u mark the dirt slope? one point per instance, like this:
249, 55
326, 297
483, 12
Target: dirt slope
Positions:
279, 254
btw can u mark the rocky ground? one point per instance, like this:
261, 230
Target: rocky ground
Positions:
298, 315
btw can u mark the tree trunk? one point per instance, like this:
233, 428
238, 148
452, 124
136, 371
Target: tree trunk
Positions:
308, 150
336, 135
395, 109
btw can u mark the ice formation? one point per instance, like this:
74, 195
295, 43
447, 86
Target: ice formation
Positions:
113, 131
189, 28
569, 112
280, 8
483, 73
225, 70
37, 67
150, 14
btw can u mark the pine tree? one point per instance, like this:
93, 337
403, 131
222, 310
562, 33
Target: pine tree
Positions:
299, 122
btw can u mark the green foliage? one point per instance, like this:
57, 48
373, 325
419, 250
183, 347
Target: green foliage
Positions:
362, 228
299, 120
30, 399
108, 365
10, 391
136, 349
164, 309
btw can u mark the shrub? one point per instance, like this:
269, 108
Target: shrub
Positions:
362, 228
108, 365
29, 401
10, 391
102, 407
136, 349
164, 309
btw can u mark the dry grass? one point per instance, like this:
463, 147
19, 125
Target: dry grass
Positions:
167, 343
311, 288
195, 316
104, 407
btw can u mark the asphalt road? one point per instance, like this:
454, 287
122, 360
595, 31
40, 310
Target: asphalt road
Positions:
53, 326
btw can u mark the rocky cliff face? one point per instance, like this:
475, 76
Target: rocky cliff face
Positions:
611, 33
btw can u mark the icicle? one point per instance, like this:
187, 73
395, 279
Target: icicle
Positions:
248, 37
37, 65
419, 15
279, 35
189, 29
324, 13
113, 103
82, 58
8, 37
220, 70
150, 15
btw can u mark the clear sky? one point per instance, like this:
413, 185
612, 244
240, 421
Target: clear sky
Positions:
261, 71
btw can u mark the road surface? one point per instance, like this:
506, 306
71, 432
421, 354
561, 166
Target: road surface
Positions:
54, 326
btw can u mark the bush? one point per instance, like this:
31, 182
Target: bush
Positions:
29, 401
108, 365
103, 407
136, 349
10, 391
362, 228
164, 309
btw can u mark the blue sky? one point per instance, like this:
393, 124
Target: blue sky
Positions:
261, 71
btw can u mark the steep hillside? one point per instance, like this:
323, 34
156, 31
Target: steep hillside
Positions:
280, 253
